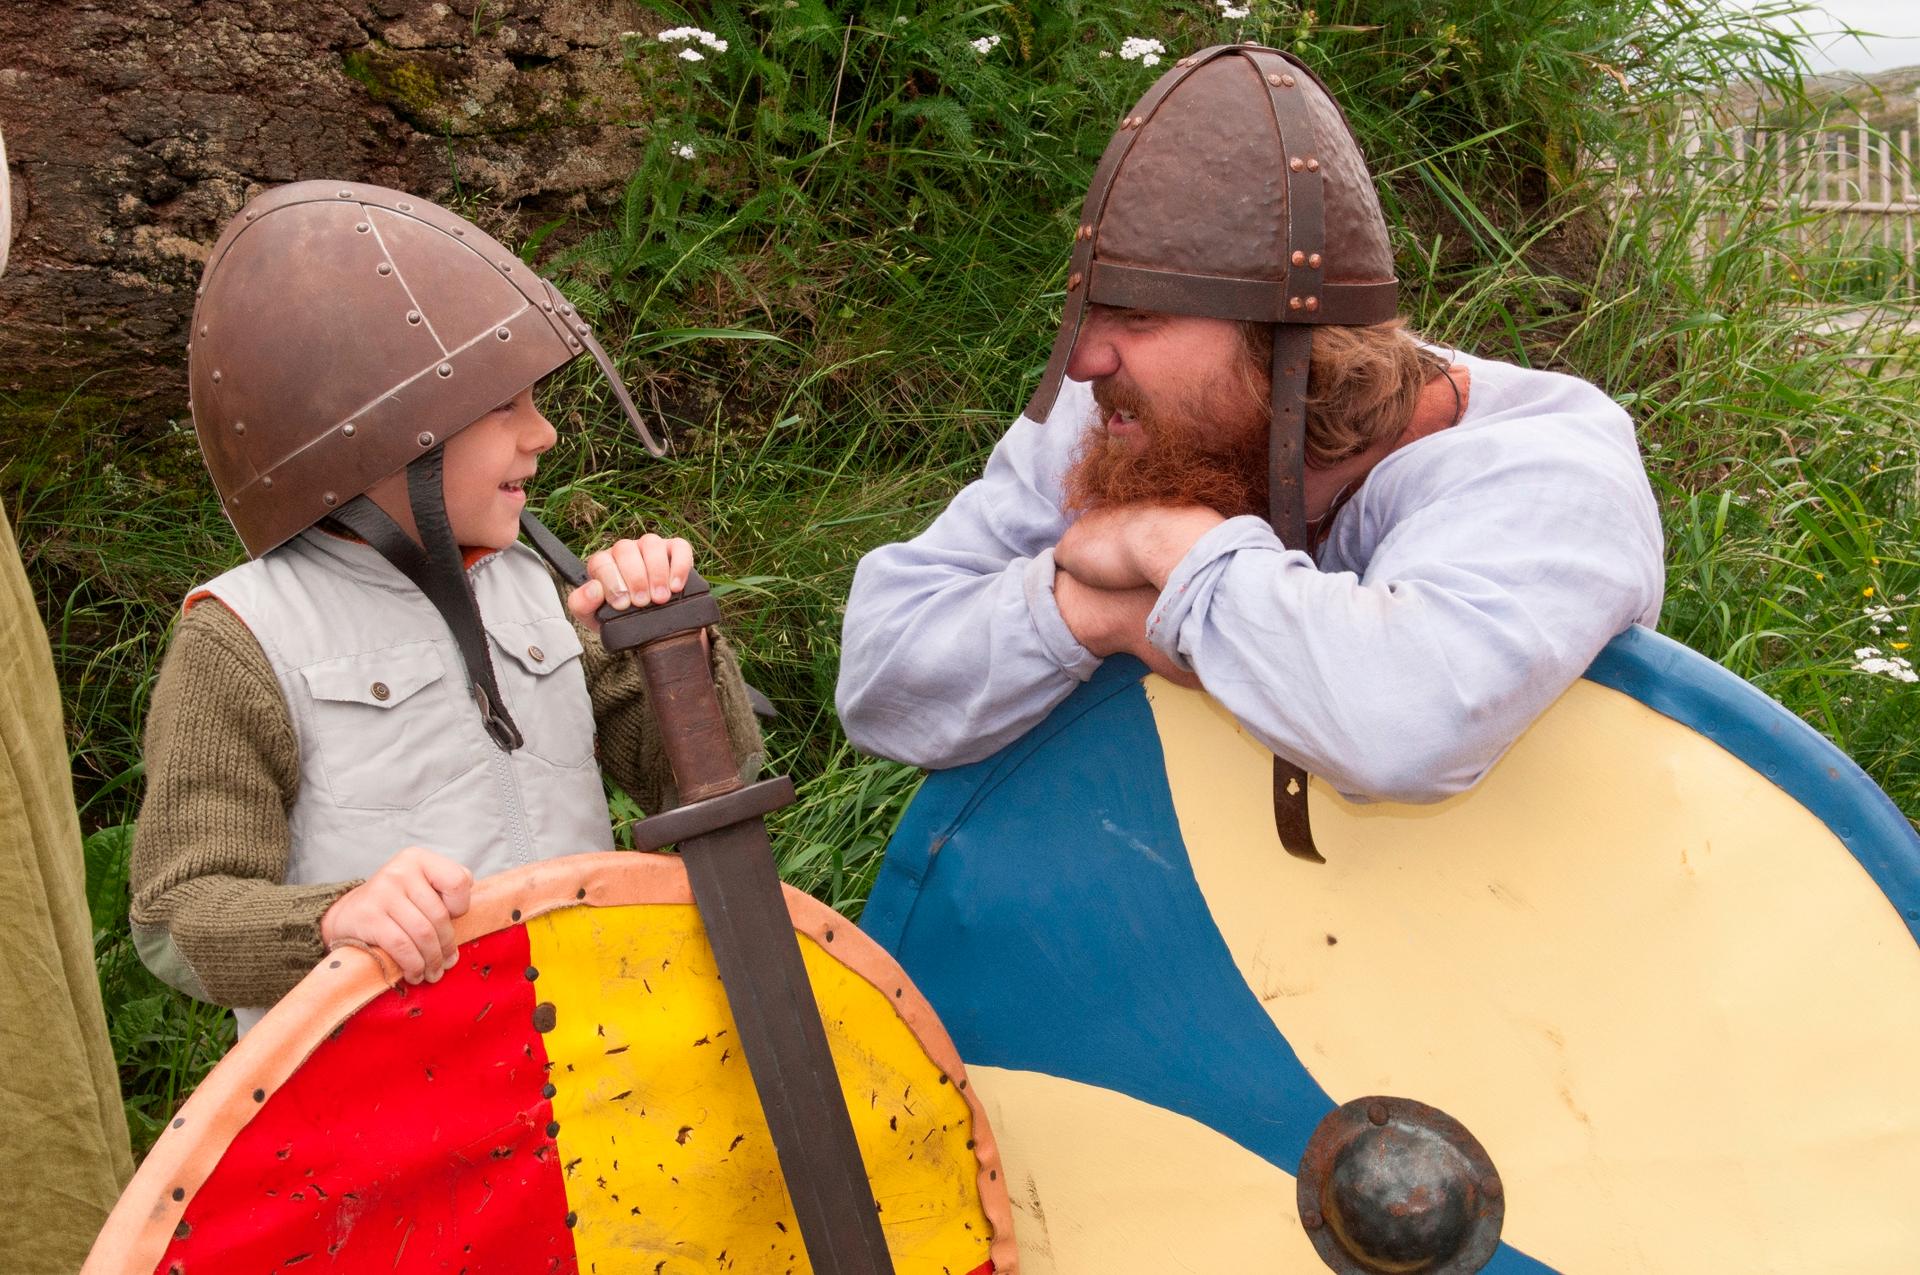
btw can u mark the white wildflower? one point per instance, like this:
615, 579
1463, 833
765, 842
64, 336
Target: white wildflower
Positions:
685, 150
1106, 53
1232, 12
691, 55
985, 44
1867, 659
1877, 616
1145, 52
680, 35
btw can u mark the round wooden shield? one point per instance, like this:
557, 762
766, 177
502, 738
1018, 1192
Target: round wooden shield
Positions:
570, 1097
1661, 964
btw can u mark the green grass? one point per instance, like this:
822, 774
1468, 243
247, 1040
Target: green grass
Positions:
838, 303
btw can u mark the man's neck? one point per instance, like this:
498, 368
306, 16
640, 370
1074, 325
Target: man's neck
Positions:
1435, 410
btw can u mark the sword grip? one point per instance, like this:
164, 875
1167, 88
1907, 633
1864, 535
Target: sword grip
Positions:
693, 729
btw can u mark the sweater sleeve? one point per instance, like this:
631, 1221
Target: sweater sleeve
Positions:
631, 751
210, 915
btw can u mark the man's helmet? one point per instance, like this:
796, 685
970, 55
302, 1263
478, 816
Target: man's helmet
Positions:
1235, 190
343, 333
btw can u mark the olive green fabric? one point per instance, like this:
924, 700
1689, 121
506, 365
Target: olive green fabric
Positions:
64, 1154
210, 915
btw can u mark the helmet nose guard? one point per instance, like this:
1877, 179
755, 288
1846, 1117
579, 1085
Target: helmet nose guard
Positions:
343, 331
1234, 189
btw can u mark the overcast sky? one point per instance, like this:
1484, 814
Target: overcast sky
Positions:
1897, 23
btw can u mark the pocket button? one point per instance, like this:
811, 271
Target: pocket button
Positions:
380, 691
537, 655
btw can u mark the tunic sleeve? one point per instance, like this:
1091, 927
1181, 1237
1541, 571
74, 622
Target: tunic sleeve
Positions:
210, 915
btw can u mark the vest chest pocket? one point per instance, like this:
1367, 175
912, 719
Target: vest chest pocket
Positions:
383, 727
537, 663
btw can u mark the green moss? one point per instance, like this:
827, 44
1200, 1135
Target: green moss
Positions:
410, 86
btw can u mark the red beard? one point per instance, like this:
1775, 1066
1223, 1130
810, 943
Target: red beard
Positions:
1204, 450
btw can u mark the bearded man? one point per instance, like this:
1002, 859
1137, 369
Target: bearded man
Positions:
1447, 541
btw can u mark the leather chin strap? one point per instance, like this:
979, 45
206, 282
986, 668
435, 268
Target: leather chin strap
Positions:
1287, 511
439, 573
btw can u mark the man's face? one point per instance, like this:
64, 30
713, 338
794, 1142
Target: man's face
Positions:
1182, 415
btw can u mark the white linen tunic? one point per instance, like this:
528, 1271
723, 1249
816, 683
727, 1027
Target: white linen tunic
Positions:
392, 750
1472, 577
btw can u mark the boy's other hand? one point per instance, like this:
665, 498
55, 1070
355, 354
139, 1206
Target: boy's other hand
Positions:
632, 573
406, 909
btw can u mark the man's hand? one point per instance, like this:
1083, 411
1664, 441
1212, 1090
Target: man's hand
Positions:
1132, 546
631, 573
406, 909
1112, 621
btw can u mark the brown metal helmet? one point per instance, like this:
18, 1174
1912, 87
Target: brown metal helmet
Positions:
1235, 190
343, 331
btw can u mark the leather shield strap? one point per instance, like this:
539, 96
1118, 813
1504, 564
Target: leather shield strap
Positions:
1292, 360
438, 572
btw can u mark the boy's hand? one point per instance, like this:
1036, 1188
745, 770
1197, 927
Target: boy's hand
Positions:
406, 909
631, 573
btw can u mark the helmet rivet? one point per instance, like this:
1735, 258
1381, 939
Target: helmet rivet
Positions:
547, 306
566, 309
239, 427
1286, 81
460, 230
329, 498
502, 333
1313, 303
203, 329
413, 316
385, 267
1299, 258
1314, 261
1313, 165
1274, 79
444, 370
573, 342
251, 214
361, 227
189, 349
1073, 281
581, 328
506, 267
403, 206
425, 440
1294, 303
1297, 165
346, 194
349, 429
266, 483
216, 376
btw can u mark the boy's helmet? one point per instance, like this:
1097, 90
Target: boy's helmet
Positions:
1236, 190
343, 331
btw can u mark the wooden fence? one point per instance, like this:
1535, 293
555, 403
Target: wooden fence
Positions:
1851, 194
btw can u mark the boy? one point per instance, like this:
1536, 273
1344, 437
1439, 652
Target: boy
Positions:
389, 699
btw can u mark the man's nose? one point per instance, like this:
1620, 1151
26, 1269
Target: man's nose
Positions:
1094, 354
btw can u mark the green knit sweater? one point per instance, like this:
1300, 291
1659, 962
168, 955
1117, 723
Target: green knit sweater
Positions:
210, 913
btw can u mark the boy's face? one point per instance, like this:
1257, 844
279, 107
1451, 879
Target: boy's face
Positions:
485, 467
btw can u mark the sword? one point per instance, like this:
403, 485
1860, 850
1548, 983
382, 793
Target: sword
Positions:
722, 835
